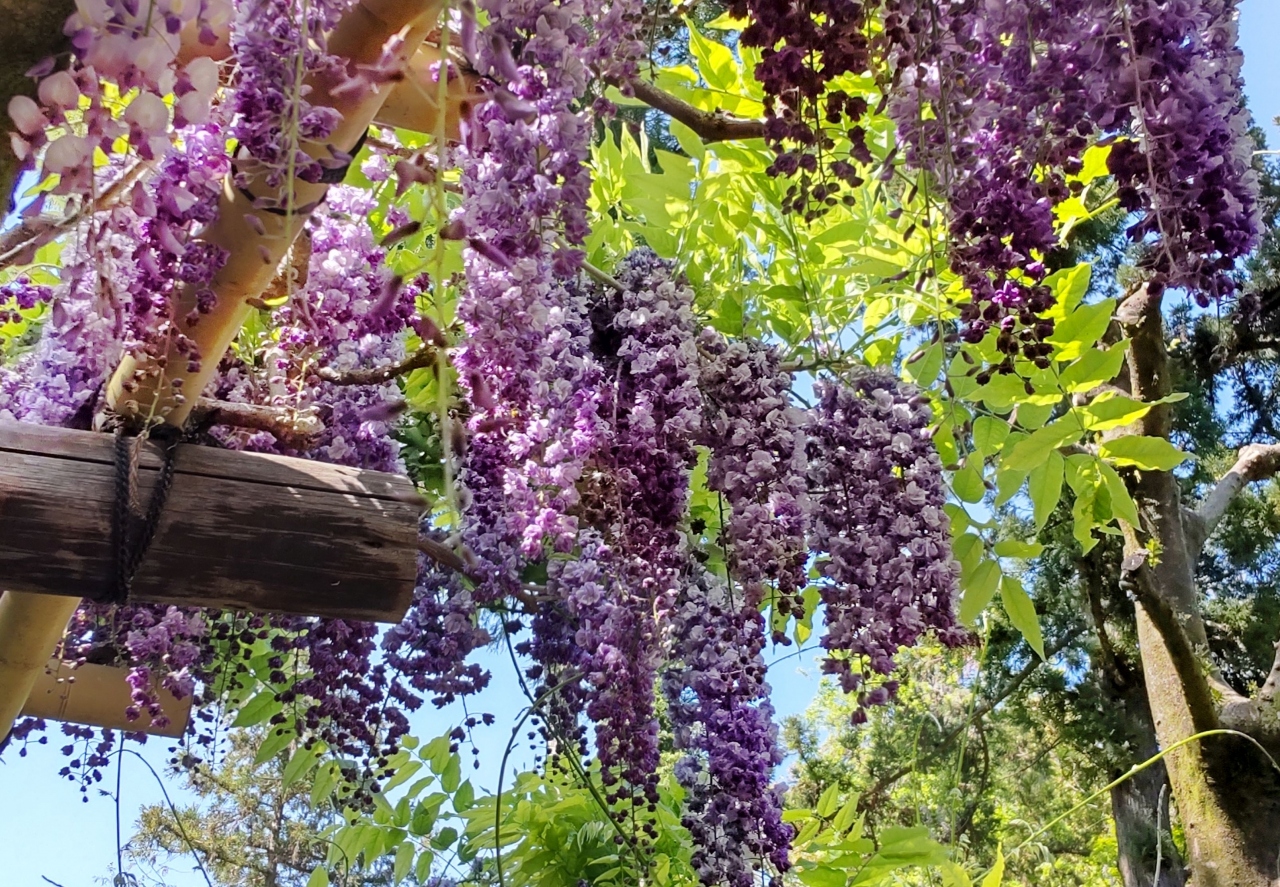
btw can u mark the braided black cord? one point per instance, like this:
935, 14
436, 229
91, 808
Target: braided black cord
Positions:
129, 539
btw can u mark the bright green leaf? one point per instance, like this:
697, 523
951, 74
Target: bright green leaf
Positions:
319, 877
1017, 548
1080, 330
258, 709
1032, 452
278, 739
1044, 485
1095, 367
404, 862
1021, 612
996, 875
967, 483
1122, 504
1146, 453
978, 590
989, 434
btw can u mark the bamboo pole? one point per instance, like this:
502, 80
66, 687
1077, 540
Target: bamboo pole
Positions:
32, 625
256, 241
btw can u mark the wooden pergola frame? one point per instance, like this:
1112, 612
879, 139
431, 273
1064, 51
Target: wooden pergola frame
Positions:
277, 534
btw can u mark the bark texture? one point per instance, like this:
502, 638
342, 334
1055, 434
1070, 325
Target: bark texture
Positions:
1225, 791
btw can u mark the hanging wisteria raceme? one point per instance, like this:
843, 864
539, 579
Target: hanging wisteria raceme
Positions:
756, 436
999, 102
879, 531
278, 46
718, 702
636, 497
1188, 171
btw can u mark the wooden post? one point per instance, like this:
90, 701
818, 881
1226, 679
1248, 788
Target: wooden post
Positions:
240, 530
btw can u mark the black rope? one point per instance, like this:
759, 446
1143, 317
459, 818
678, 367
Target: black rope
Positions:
131, 532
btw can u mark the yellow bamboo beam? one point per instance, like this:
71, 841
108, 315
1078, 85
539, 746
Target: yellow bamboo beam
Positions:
30, 627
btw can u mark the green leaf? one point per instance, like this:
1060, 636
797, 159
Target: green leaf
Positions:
404, 862
1114, 411
444, 838
319, 877
1021, 612
827, 803
824, 876
1008, 482
716, 63
424, 819
1146, 453
1069, 286
258, 709
1122, 504
422, 869
437, 753
923, 367
464, 797
978, 589
845, 818
452, 774
967, 548
1044, 485
989, 434
402, 775
1035, 450
996, 876
326, 779
1094, 368
1080, 330
1017, 548
300, 764
278, 739
967, 483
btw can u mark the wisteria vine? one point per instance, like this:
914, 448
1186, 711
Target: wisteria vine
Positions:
585, 398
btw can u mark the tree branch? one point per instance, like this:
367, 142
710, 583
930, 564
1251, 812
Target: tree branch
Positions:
1254, 462
423, 357
287, 426
710, 126
1191, 672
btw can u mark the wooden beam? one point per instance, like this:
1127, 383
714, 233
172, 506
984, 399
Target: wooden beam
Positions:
97, 696
239, 531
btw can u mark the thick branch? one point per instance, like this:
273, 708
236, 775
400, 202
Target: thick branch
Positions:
1254, 462
710, 126
423, 357
287, 426
1192, 673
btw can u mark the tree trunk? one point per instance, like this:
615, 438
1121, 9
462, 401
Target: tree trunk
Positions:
1140, 806
1224, 790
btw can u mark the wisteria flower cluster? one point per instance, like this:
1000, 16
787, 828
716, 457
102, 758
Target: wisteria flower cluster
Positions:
998, 101
584, 402
879, 531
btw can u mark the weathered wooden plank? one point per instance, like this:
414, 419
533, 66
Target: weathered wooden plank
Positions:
239, 530
98, 695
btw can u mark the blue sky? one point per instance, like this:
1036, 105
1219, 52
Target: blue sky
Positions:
45, 830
